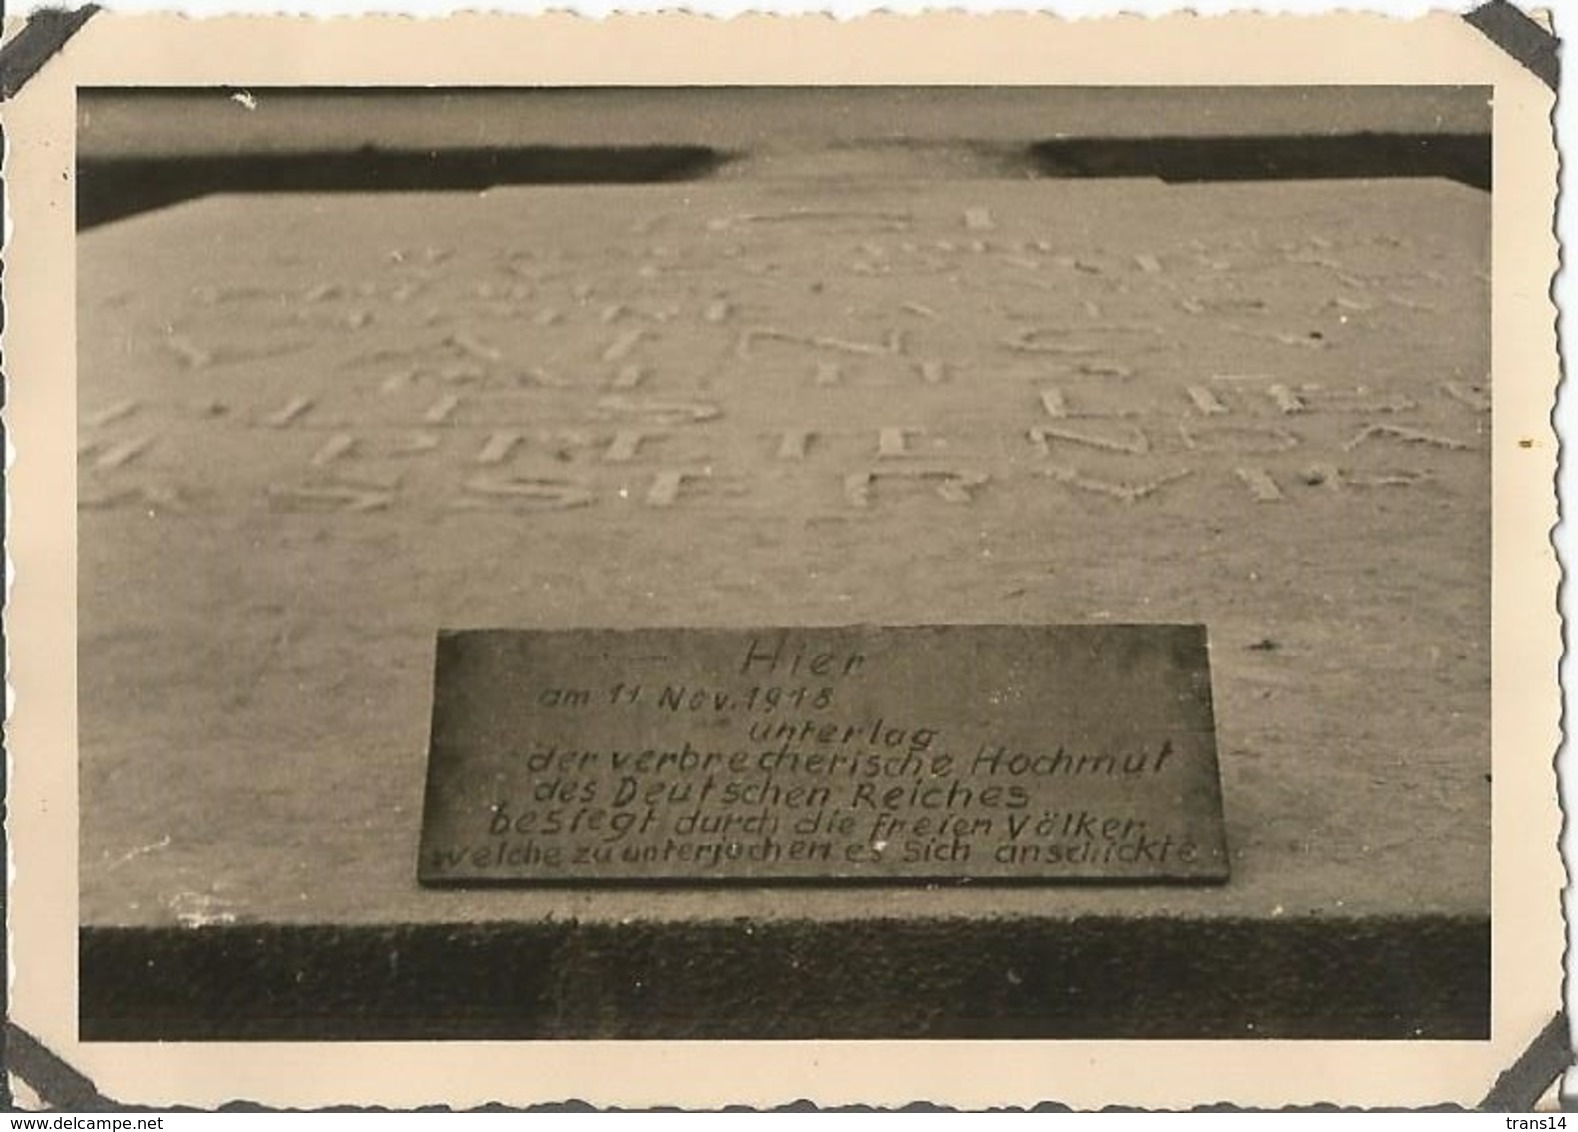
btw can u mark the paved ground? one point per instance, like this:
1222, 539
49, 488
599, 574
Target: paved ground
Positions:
315, 430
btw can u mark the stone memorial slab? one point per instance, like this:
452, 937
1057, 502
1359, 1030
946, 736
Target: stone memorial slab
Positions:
992, 753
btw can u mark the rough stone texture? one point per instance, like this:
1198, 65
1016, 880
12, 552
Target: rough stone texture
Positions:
257, 628
921, 977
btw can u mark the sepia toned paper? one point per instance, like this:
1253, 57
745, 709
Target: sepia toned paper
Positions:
199, 745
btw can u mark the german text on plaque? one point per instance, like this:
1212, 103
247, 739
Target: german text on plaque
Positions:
991, 753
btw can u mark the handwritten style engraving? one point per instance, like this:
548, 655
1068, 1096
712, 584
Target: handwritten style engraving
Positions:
1039, 753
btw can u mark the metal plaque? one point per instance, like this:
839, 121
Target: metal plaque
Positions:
931, 753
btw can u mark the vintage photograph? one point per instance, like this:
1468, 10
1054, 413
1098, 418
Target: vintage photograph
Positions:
964, 563
361, 369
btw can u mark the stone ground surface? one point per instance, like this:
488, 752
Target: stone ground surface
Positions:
316, 430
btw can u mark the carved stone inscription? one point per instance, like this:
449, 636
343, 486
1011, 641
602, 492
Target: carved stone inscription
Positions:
1002, 753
